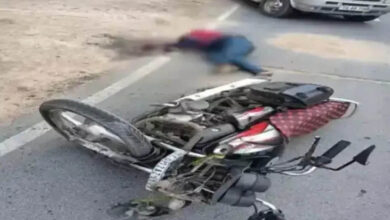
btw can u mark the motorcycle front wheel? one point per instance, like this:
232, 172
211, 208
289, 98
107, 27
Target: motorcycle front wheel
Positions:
96, 130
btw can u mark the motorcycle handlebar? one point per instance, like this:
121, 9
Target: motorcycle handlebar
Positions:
307, 171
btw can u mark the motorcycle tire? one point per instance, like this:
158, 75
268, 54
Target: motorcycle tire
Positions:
135, 143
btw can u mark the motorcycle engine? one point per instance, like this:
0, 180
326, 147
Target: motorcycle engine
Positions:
228, 123
230, 115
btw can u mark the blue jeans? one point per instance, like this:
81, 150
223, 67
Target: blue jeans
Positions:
226, 50
232, 50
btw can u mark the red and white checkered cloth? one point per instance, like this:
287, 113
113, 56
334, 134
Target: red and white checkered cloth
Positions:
296, 122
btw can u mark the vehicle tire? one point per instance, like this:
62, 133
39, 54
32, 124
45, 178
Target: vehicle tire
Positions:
356, 18
276, 8
132, 141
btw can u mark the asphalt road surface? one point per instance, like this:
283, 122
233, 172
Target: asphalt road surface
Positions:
50, 178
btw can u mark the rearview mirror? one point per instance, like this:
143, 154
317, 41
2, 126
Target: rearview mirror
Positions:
362, 157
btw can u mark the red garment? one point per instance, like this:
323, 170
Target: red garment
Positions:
296, 122
204, 36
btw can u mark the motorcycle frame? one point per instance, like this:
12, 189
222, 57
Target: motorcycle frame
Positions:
208, 93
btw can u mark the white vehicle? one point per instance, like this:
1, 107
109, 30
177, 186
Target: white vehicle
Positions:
353, 10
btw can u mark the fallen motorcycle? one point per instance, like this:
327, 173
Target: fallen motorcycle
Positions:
214, 146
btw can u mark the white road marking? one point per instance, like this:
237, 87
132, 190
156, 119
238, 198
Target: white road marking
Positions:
223, 17
127, 81
377, 20
41, 128
228, 13
14, 142
23, 138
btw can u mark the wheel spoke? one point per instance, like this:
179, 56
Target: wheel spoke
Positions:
87, 132
69, 118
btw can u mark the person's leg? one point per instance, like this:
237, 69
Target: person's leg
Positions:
216, 57
236, 48
244, 65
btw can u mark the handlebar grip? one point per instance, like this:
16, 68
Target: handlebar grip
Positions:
336, 149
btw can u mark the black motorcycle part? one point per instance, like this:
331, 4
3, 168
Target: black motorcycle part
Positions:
363, 156
236, 197
235, 175
336, 149
360, 158
216, 132
243, 182
267, 215
292, 95
253, 182
247, 118
327, 157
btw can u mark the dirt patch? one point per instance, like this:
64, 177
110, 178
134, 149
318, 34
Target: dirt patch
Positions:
333, 47
48, 46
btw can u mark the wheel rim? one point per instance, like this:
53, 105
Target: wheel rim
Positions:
88, 133
273, 6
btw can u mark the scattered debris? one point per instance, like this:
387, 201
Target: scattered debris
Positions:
362, 192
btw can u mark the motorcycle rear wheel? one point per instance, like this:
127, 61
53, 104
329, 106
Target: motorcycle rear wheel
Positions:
96, 129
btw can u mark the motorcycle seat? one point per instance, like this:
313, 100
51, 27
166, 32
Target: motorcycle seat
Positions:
291, 95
